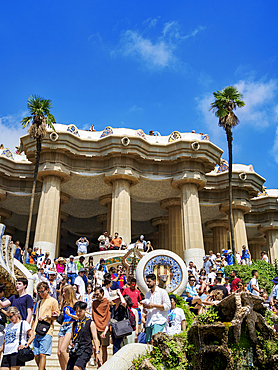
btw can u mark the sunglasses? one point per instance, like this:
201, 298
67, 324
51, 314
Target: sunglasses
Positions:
10, 316
41, 291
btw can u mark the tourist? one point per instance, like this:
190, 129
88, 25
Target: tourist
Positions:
92, 128
202, 287
11, 345
118, 279
211, 275
227, 285
149, 247
99, 275
133, 293
71, 269
241, 287
47, 309
28, 255
60, 267
53, 281
192, 297
191, 270
229, 258
82, 244
91, 268
101, 317
245, 256
203, 274
43, 260
235, 281
65, 331
80, 263
238, 258
219, 286
207, 265
3, 311
133, 319
88, 298
103, 241
60, 287
253, 286
220, 275
80, 282
83, 333
157, 304
106, 286
22, 301
212, 256
101, 262
141, 244
176, 320
76, 291
274, 292
17, 254
264, 257
116, 242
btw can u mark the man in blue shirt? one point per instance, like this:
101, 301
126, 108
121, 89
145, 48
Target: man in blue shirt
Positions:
229, 257
71, 269
17, 254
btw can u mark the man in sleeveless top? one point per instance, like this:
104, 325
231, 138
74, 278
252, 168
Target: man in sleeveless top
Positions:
83, 332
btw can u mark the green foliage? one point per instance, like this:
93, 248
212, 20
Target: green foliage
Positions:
39, 107
33, 268
209, 317
187, 313
266, 273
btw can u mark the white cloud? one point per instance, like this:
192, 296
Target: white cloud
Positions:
11, 130
135, 108
155, 52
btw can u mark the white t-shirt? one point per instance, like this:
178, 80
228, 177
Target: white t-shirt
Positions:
173, 324
265, 258
82, 247
12, 336
81, 285
254, 282
107, 292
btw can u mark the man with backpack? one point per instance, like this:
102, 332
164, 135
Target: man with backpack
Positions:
253, 285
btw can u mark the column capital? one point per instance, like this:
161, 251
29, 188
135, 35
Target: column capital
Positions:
190, 177
170, 202
3, 195
257, 241
64, 197
57, 170
268, 226
217, 223
5, 213
104, 200
121, 174
102, 218
64, 216
160, 221
243, 205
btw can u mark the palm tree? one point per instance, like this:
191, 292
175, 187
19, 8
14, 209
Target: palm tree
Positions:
226, 101
39, 119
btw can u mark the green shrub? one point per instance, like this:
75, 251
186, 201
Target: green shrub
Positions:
33, 268
266, 273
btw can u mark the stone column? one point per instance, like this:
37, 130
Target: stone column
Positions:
256, 246
106, 201
102, 219
220, 234
271, 232
163, 231
208, 243
173, 205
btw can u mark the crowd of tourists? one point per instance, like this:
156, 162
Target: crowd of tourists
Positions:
96, 306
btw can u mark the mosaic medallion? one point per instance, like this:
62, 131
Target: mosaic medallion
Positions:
73, 130
175, 135
7, 153
165, 265
141, 133
224, 167
205, 137
156, 133
107, 131
262, 194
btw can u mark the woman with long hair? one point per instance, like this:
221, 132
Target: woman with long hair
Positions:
11, 345
76, 291
64, 334
88, 297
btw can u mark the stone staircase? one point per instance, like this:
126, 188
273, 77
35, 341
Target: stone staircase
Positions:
52, 361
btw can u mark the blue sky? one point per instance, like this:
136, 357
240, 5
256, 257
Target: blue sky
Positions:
150, 64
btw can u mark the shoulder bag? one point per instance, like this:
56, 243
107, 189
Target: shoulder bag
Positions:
121, 328
42, 326
24, 354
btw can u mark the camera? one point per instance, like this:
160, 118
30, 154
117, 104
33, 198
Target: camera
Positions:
74, 349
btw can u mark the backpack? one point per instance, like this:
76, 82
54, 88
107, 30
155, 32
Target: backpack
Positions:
132, 318
249, 288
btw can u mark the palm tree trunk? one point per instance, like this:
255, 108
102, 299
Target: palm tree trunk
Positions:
37, 162
231, 219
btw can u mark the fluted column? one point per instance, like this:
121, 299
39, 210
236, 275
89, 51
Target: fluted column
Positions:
220, 234
106, 201
270, 230
163, 231
256, 246
208, 243
173, 205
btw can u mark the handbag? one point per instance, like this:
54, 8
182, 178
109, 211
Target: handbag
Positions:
24, 354
42, 326
60, 318
121, 328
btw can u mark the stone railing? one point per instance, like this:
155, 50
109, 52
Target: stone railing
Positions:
11, 268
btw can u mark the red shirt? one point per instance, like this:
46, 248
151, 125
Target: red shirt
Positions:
134, 295
234, 284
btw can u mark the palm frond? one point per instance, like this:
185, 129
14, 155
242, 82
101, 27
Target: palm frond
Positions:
26, 121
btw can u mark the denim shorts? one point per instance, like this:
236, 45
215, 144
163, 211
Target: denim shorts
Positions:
42, 344
64, 329
153, 329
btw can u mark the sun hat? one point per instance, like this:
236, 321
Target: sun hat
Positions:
71, 256
81, 270
114, 295
229, 251
173, 296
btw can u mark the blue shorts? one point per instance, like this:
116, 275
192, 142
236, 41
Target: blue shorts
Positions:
153, 329
42, 345
64, 329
